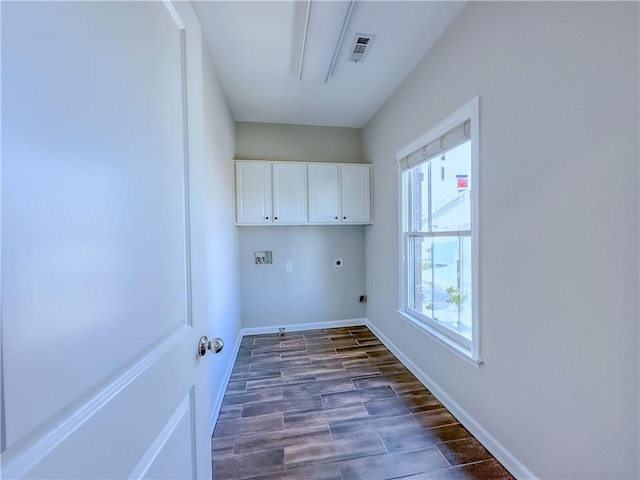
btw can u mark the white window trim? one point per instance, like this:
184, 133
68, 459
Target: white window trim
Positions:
472, 354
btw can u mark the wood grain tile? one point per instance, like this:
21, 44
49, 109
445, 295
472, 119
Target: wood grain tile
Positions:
323, 416
232, 467
262, 395
335, 404
281, 406
351, 397
407, 439
371, 424
333, 451
241, 426
394, 465
282, 438
488, 469
467, 450
325, 471
435, 418
279, 381
317, 388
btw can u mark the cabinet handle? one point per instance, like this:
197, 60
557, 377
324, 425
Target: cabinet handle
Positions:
275, 218
344, 218
266, 218
336, 218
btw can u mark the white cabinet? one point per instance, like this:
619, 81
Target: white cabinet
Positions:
339, 193
270, 193
297, 193
355, 183
324, 193
289, 192
253, 193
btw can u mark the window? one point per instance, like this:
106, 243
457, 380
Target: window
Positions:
439, 241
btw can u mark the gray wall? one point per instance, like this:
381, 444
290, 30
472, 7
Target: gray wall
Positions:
314, 291
558, 86
298, 143
223, 277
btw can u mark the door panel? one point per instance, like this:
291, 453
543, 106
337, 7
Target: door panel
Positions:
175, 454
324, 193
289, 192
356, 193
98, 344
253, 192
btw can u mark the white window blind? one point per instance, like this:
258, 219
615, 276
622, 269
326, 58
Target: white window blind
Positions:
451, 139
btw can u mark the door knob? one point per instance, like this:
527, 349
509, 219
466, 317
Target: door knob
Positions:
205, 344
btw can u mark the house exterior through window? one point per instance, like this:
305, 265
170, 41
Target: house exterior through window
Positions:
439, 241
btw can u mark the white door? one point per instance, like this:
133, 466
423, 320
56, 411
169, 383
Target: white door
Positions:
253, 192
289, 192
324, 193
356, 193
100, 375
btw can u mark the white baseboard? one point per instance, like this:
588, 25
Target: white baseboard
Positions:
502, 454
217, 405
298, 327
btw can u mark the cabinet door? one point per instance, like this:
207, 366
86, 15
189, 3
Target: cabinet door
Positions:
289, 192
356, 193
253, 193
324, 193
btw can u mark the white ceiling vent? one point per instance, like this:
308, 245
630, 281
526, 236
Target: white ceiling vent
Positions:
361, 46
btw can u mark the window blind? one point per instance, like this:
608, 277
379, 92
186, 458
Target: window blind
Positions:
451, 139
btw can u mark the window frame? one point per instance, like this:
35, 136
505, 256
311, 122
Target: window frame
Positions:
454, 341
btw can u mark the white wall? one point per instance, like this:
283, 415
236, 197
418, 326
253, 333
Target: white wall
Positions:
223, 286
558, 86
314, 291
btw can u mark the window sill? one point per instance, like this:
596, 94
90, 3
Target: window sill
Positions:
442, 339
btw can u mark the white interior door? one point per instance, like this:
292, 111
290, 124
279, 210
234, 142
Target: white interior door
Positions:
100, 375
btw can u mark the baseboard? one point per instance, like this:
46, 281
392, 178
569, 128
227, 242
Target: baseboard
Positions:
502, 454
217, 405
305, 326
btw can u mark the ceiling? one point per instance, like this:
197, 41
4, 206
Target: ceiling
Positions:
257, 48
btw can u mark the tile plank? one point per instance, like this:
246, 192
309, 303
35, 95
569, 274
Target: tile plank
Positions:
393, 465
336, 404
323, 417
281, 406
333, 451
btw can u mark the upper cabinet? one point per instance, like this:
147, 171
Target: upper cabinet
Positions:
297, 193
253, 193
339, 193
324, 193
355, 182
289, 192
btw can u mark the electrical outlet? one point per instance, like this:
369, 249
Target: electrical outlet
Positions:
281, 331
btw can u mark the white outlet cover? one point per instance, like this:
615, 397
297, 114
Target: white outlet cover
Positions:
338, 262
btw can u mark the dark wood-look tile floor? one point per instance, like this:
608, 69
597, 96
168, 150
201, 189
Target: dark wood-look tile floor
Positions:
336, 404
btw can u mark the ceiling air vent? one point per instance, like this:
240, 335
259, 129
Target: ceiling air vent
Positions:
361, 46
